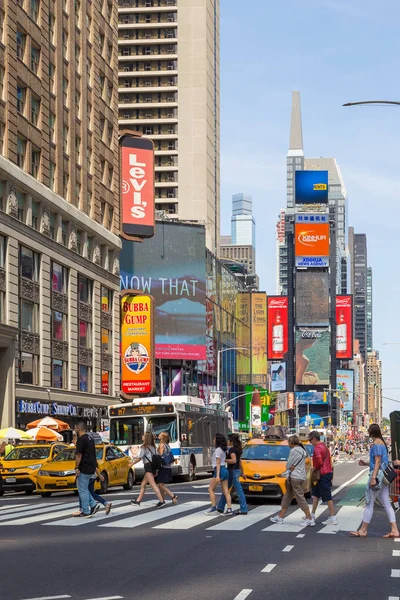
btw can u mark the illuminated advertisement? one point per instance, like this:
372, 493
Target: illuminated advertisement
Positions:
311, 397
311, 187
344, 327
345, 388
137, 345
259, 338
312, 298
277, 327
312, 241
137, 187
242, 337
312, 356
278, 377
156, 267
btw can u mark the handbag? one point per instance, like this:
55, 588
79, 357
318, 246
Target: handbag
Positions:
389, 474
167, 457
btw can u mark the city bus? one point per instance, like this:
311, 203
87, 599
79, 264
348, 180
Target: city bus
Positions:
190, 424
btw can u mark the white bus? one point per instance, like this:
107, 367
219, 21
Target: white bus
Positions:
190, 424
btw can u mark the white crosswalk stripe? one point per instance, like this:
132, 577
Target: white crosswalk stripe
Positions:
160, 514
76, 521
240, 523
293, 523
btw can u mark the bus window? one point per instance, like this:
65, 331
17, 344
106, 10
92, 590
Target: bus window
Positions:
127, 431
168, 424
183, 429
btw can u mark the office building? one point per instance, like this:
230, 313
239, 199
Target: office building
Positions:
168, 72
374, 375
281, 255
59, 210
243, 225
369, 310
358, 254
360, 388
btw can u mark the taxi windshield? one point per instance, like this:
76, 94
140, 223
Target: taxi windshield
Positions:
69, 454
33, 453
265, 452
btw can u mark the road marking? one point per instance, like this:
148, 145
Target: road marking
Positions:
396, 553
393, 598
7, 509
287, 548
243, 594
189, 521
349, 518
241, 522
268, 568
301, 535
76, 521
107, 598
38, 518
19, 509
158, 515
35, 511
48, 598
293, 523
200, 486
346, 483
395, 573
397, 539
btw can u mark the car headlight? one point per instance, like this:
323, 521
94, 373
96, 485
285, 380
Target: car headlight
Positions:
34, 467
43, 473
66, 473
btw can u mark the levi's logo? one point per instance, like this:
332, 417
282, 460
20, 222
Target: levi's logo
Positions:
136, 182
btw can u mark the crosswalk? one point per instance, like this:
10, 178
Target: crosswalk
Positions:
182, 516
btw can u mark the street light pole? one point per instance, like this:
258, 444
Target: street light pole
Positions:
219, 352
364, 102
161, 378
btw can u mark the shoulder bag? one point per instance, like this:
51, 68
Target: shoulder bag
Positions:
167, 457
389, 474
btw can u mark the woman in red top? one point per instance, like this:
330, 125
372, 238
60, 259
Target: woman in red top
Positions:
321, 488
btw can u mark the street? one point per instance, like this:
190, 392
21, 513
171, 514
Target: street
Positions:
179, 552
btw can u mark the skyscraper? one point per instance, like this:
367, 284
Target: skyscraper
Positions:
369, 310
240, 246
358, 252
169, 91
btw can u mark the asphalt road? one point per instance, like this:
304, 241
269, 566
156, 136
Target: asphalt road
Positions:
177, 553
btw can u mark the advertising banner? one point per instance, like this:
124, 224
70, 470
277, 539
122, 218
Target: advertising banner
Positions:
311, 187
311, 239
178, 286
344, 327
243, 337
290, 400
281, 402
311, 397
137, 344
278, 377
259, 338
312, 356
137, 187
345, 388
312, 298
277, 327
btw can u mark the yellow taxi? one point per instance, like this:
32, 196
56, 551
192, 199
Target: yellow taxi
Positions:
20, 467
263, 462
59, 474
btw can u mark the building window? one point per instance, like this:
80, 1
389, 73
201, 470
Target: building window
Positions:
21, 152
79, 241
2, 26
35, 214
59, 326
52, 27
65, 90
64, 230
21, 44
85, 289
35, 58
77, 58
52, 175
21, 98
77, 193
59, 374
106, 299
102, 212
65, 138
105, 382
29, 264
35, 110
29, 316
21, 199
89, 71
85, 378
65, 44
78, 104
78, 149
105, 340
89, 115
34, 10
52, 75
28, 368
77, 11
52, 226
110, 217
65, 184
35, 162
85, 334
59, 279
89, 245
2, 266
52, 124
89, 159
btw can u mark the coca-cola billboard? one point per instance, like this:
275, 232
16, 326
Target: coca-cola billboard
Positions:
277, 324
312, 356
344, 327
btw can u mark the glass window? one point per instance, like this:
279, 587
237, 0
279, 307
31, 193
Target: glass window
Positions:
35, 162
159, 424
85, 376
89, 245
59, 374
105, 340
52, 175
35, 110
266, 452
21, 44
21, 98
2, 251
59, 326
35, 214
105, 382
85, 289
85, 334
29, 264
106, 299
28, 368
65, 138
127, 431
29, 318
52, 226
34, 10
35, 58
52, 73
21, 206
21, 152
59, 278
64, 229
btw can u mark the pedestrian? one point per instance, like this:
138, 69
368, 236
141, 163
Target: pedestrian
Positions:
85, 468
164, 474
235, 471
147, 452
96, 497
376, 488
296, 476
3, 448
9, 447
321, 478
220, 475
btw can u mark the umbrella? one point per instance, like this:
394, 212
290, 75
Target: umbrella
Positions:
45, 434
13, 434
49, 422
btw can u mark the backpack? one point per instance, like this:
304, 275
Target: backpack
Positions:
167, 458
156, 462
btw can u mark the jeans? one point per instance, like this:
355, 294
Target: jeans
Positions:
94, 494
85, 499
234, 480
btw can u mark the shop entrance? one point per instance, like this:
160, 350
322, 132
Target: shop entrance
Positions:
8, 336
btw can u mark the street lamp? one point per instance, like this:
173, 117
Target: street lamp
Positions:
364, 102
219, 352
161, 378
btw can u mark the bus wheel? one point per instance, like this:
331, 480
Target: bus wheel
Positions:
192, 470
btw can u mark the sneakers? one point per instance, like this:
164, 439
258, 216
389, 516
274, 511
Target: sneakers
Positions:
308, 523
211, 510
95, 509
108, 507
312, 517
221, 512
237, 512
276, 520
160, 504
330, 521
135, 502
228, 512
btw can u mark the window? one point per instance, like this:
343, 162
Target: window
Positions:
65, 90
77, 195
65, 184
35, 58
59, 278
101, 40
78, 149
59, 374
77, 11
35, 214
78, 104
52, 27
29, 264
64, 231
65, 138
21, 44
52, 175
89, 159
89, 115
105, 340
35, 110
89, 245
110, 132
34, 10
2, 26
105, 382
102, 212
109, 91
29, 316
85, 334
59, 326
2, 265
77, 58
101, 125
52, 226
2, 74
21, 152
110, 217
21, 98
79, 241
28, 368
21, 198
35, 162
106, 299
85, 379
52, 124
109, 53
65, 44
89, 71
85, 289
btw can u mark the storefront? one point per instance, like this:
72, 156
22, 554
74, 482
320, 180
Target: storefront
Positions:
95, 417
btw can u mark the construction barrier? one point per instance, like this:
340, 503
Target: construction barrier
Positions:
395, 487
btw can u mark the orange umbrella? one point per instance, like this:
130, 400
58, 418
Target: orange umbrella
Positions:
49, 422
43, 434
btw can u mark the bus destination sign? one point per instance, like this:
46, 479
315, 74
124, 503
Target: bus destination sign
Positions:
142, 409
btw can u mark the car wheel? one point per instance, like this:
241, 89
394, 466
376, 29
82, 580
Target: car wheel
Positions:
45, 494
130, 481
29, 492
104, 484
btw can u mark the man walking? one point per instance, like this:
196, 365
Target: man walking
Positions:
85, 468
321, 477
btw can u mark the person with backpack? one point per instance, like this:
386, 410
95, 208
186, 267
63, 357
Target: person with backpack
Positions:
164, 474
152, 463
235, 470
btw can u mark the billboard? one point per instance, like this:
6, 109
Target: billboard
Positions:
311, 187
344, 327
277, 327
312, 298
243, 337
259, 338
137, 344
312, 356
345, 388
278, 377
312, 240
178, 286
137, 187
311, 398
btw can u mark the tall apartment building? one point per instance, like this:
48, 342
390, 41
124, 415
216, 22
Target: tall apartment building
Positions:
369, 310
59, 210
358, 255
168, 71
281, 255
374, 374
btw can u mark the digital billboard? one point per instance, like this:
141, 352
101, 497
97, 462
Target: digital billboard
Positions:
344, 327
312, 356
312, 298
277, 309
178, 286
259, 338
137, 187
278, 377
345, 388
312, 240
311, 398
243, 337
311, 187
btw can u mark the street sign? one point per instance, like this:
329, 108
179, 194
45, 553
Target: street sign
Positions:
215, 398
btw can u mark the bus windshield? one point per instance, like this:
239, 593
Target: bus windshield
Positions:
127, 431
168, 424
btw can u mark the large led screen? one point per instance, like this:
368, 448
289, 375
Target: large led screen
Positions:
312, 298
312, 356
171, 266
311, 187
277, 327
259, 338
345, 388
344, 327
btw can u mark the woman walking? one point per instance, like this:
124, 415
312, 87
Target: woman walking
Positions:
296, 468
235, 472
146, 453
220, 475
164, 475
376, 488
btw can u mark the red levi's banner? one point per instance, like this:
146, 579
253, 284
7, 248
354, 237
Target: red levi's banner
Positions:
344, 326
277, 323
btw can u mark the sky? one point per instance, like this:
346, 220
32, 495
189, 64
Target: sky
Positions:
332, 51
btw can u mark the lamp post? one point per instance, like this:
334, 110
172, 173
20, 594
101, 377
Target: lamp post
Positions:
365, 102
161, 378
219, 352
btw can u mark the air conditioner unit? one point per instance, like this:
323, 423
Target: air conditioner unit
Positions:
148, 83
147, 35
170, 195
170, 115
127, 115
125, 19
148, 115
170, 130
126, 36
127, 83
127, 100
126, 68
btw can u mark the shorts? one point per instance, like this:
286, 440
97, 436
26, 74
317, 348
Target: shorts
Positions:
148, 467
223, 473
164, 475
322, 489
